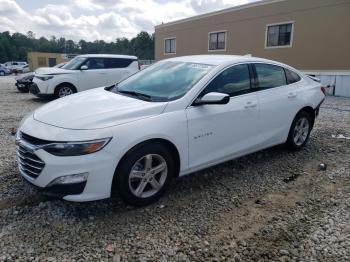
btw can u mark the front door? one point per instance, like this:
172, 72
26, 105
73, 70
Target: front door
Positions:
221, 132
94, 76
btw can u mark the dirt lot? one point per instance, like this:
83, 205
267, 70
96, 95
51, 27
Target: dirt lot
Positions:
273, 205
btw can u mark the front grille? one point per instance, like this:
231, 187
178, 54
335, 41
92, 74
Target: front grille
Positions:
33, 140
29, 163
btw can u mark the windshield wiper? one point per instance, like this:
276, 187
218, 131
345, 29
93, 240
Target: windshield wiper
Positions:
137, 94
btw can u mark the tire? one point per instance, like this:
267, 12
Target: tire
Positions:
143, 188
300, 130
2, 73
64, 90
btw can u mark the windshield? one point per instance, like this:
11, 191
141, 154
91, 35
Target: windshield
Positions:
163, 81
74, 63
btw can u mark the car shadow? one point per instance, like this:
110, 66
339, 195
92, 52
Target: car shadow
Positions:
189, 189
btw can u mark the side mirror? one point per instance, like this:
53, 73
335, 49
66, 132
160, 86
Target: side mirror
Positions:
212, 98
84, 67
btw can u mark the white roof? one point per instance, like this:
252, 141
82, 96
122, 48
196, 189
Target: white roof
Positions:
109, 56
217, 59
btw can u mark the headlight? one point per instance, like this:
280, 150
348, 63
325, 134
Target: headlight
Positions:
44, 78
76, 148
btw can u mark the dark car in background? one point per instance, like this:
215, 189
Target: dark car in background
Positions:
4, 70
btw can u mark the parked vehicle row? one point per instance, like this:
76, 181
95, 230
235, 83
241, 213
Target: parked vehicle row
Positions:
17, 66
175, 117
82, 73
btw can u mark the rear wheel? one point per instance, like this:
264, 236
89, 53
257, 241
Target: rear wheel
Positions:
300, 131
64, 90
144, 174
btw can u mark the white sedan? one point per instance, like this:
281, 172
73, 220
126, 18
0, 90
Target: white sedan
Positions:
175, 117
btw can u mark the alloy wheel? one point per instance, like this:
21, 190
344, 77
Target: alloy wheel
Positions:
301, 131
148, 175
65, 91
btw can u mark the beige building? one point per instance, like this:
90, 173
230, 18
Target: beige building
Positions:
40, 59
311, 35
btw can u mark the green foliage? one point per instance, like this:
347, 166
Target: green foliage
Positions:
16, 46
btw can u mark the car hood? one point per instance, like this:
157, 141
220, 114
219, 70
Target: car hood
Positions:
95, 109
52, 71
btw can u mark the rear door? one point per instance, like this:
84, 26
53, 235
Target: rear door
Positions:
220, 132
278, 100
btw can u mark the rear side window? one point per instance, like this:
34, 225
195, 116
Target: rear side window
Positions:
292, 77
117, 62
270, 76
232, 81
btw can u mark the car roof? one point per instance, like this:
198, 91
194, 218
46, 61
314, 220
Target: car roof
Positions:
219, 59
109, 56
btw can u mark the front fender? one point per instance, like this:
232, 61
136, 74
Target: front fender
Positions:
171, 127
57, 80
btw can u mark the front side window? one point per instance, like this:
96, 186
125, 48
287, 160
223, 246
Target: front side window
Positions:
74, 64
170, 46
279, 35
270, 76
232, 81
163, 81
217, 41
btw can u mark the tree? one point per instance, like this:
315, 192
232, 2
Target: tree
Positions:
16, 46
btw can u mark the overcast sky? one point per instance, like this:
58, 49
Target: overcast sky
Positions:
99, 19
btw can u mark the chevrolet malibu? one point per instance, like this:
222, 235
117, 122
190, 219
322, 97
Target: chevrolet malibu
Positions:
175, 117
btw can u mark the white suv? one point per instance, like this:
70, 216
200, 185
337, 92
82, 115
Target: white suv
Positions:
16, 65
82, 73
173, 118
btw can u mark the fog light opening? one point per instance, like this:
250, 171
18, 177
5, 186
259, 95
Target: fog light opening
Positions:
70, 179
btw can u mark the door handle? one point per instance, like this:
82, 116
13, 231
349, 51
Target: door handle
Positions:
250, 105
292, 95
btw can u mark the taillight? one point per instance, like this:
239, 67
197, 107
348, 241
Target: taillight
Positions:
323, 89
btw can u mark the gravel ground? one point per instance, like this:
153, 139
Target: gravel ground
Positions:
273, 205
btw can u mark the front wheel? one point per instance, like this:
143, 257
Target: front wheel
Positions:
2, 73
64, 90
300, 131
144, 174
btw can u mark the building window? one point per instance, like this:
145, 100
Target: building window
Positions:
170, 46
217, 41
279, 35
42, 61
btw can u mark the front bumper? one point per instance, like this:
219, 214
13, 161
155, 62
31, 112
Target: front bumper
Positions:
23, 86
34, 89
59, 191
99, 166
